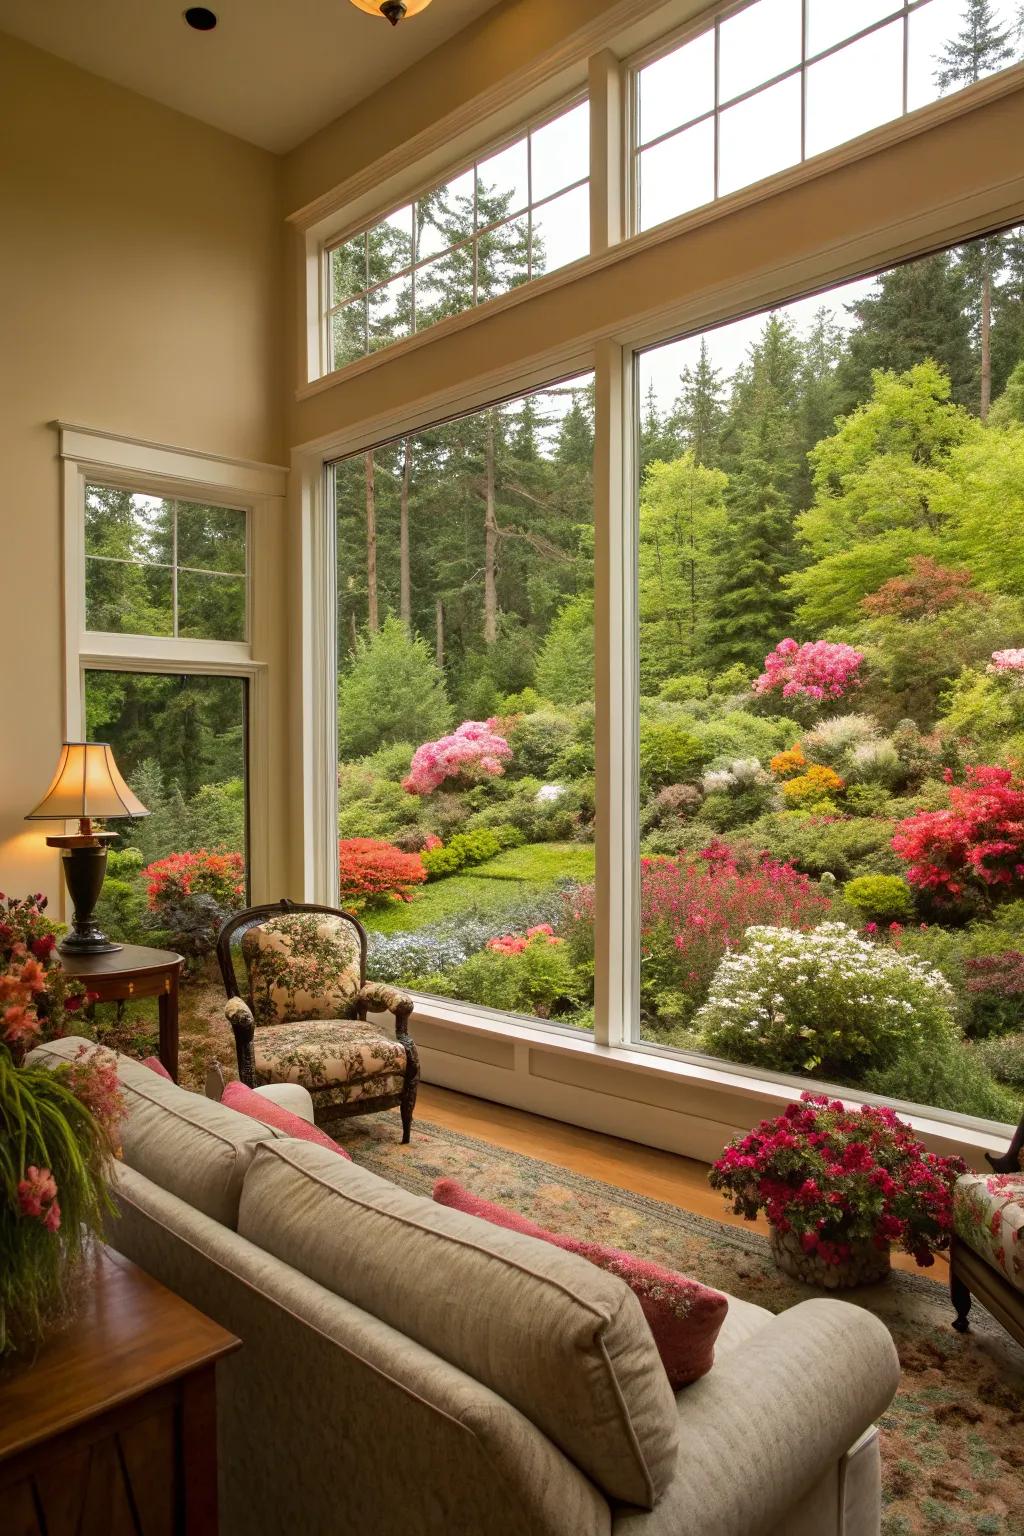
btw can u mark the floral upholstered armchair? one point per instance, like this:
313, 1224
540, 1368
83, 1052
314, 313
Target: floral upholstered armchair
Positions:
304, 1018
986, 1257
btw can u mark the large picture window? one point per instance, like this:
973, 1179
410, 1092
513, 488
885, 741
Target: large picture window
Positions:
465, 631
831, 616
510, 216
775, 82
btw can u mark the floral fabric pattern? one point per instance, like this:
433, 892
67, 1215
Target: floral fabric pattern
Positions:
380, 998
338, 1060
302, 965
988, 1215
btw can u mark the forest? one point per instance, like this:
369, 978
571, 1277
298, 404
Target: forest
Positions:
830, 570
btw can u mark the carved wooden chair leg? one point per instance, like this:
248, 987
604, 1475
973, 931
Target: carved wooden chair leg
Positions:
960, 1296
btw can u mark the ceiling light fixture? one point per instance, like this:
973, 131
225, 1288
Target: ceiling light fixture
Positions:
392, 10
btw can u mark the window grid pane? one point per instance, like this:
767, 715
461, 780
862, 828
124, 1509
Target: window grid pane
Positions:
899, 52
473, 238
132, 537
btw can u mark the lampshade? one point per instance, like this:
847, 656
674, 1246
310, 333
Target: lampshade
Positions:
394, 12
87, 783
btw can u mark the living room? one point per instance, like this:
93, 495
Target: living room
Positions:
516, 674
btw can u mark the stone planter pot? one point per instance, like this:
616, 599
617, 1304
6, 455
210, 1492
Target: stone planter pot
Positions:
867, 1265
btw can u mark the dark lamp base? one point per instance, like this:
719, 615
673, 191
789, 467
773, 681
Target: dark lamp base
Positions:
84, 862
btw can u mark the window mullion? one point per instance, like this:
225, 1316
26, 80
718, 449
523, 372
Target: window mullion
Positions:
616, 894
608, 140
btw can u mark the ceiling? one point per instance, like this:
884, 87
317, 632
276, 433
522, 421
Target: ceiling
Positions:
273, 71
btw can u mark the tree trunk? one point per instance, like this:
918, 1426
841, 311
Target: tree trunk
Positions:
490, 542
372, 618
439, 642
986, 339
405, 585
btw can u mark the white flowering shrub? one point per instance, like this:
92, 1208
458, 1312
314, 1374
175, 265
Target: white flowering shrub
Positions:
827, 1002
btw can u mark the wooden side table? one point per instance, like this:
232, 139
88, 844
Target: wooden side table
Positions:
130, 973
113, 1428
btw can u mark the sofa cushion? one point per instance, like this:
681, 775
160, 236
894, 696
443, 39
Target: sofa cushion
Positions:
683, 1315
988, 1215
186, 1143
247, 1102
563, 1341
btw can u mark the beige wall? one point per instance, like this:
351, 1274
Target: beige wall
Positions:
140, 281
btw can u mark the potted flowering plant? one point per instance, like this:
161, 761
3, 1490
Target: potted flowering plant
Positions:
58, 1132
839, 1186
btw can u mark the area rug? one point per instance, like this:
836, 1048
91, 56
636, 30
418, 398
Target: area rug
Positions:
953, 1440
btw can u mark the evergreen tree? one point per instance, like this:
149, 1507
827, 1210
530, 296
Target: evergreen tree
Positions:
682, 519
698, 413
750, 607
1008, 311
916, 311
823, 350
981, 48
658, 441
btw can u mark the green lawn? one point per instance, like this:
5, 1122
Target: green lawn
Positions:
515, 874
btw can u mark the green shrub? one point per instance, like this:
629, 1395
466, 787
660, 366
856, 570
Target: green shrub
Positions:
565, 663
688, 685
669, 754
832, 742
123, 910
828, 1003
538, 821
843, 846
868, 800
880, 898
537, 740
739, 734
950, 1075
461, 852
540, 980
1004, 1058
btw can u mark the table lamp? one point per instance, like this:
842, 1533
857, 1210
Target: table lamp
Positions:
86, 786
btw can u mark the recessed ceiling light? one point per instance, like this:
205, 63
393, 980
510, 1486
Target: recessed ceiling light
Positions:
392, 10
200, 19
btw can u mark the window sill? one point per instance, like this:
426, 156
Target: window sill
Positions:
764, 1095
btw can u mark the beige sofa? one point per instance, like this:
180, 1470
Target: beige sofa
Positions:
409, 1369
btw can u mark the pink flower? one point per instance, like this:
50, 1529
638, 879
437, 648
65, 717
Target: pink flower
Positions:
37, 1196
472, 752
819, 669
19, 1025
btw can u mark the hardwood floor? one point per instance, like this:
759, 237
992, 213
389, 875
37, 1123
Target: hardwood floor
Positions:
665, 1176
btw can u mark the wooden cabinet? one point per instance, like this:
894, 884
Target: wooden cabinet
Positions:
112, 1430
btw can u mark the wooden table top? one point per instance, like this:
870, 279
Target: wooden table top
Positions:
130, 1336
129, 959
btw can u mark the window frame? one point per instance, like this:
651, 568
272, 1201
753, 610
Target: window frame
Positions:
351, 230
711, 21
95, 457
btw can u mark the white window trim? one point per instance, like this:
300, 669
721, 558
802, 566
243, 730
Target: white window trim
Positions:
90, 454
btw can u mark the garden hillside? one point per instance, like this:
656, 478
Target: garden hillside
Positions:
831, 633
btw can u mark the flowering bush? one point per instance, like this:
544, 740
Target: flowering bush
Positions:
813, 788
836, 1176
1008, 664
529, 973
692, 911
470, 754
827, 1002
372, 872
818, 669
995, 991
930, 589
191, 894
35, 994
786, 765
976, 846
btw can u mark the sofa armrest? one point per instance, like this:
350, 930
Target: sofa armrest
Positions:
379, 997
239, 1016
761, 1428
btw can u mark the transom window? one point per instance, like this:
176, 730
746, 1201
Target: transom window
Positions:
775, 82
512, 215
163, 567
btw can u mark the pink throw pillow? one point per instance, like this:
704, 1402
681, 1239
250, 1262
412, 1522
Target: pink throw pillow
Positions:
683, 1315
156, 1065
247, 1102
